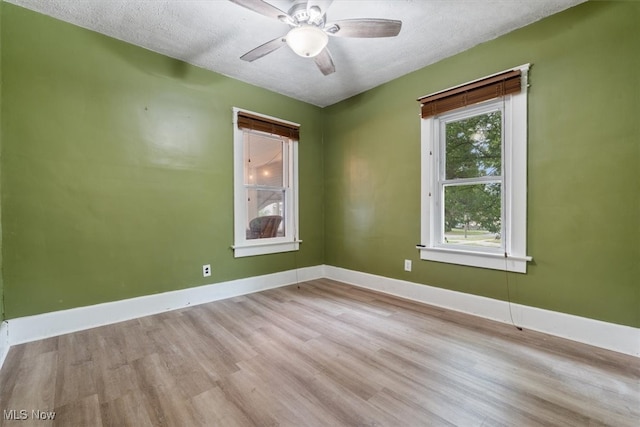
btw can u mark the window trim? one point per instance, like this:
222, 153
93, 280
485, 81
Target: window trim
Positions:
290, 242
514, 257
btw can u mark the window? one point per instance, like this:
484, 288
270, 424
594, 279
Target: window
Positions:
265, 184
474, 172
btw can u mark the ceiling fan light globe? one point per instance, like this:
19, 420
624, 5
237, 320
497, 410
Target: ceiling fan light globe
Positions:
307, 41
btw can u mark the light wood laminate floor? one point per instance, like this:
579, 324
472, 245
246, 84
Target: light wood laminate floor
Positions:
321, 354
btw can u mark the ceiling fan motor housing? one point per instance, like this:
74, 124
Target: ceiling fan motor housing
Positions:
303, 15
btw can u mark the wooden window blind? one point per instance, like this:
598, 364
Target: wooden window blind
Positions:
471, 93
262, 124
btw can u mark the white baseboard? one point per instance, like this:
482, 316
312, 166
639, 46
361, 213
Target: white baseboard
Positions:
619, 338
623, 339
4, 341
46, 325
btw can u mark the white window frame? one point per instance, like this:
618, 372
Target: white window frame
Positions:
242, 246
512, 256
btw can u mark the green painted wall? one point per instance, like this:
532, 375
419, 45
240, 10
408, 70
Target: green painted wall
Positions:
117, 169
584, 167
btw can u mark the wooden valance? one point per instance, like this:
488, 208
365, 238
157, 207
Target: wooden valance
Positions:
471, 93
262, 124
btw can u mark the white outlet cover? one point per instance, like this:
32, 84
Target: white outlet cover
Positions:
407, 265
206, 270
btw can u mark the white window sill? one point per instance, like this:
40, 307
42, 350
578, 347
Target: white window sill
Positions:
265, 248
494, 261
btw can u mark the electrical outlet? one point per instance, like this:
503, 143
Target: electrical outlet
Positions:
206, 270
407, 265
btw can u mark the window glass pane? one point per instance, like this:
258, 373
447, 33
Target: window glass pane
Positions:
265, 213
474, 146
263, 160
472, 215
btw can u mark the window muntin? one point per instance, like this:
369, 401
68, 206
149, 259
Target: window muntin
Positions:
265, 186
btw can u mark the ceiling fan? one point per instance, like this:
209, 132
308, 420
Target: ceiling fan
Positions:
308, 36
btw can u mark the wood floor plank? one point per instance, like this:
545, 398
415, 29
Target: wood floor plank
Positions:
128, 410
35, 387
292, 392
413, 413
324, 325
233, 345
9, 374
346, 406
276, 313
212, 408
201, 348
81, 412
191, 378
315, 354
74, 378
348, 370
252, 396
112, 374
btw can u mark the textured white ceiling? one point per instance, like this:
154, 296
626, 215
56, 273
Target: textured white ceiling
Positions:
213, 34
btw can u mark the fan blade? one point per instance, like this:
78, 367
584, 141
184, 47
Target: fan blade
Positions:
364, 28
325, 62
262, 7
263, 50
